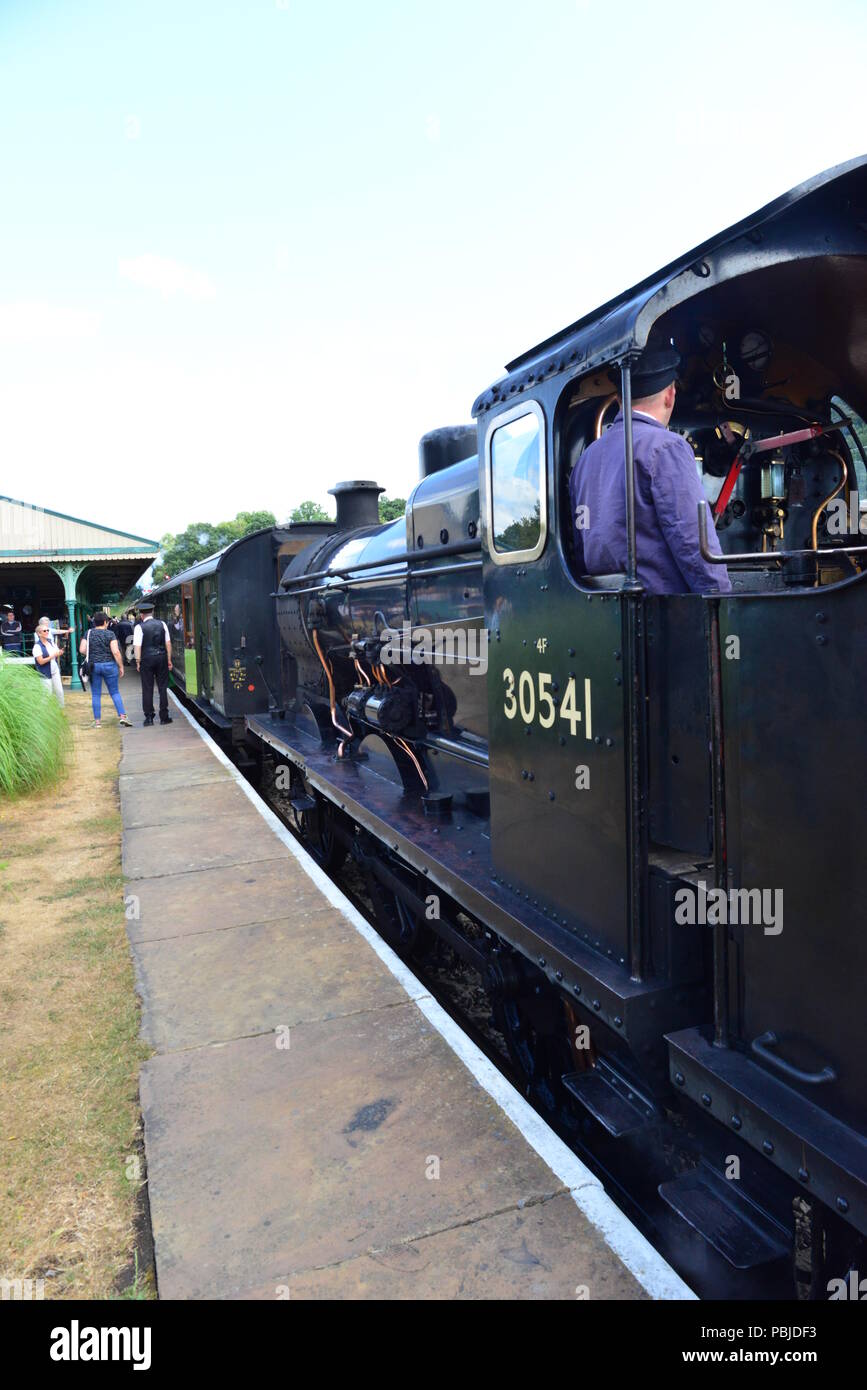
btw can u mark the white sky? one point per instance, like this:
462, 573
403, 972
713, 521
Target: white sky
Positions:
251, 248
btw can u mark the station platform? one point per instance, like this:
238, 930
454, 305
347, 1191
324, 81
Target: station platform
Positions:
316, 1126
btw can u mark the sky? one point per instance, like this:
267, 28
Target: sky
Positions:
251, 248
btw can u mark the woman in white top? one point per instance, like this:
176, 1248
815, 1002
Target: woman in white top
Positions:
45, 654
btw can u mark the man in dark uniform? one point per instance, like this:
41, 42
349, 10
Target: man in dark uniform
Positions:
667, 493
153, 657
124, 629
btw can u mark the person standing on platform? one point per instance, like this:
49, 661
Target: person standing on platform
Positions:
124, 631
10, 632
99, 647
46, 654
153, 657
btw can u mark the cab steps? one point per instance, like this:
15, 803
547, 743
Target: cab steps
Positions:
715, 1207
612, 1100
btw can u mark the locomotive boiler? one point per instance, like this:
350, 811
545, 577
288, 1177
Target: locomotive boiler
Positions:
633, 818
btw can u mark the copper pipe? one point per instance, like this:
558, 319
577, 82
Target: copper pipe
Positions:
331, 695
406, 748
609, 401
361, 671
831, 495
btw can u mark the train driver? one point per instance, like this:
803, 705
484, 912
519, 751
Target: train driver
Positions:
667, 492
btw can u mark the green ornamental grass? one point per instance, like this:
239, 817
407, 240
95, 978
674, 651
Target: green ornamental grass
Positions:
35, 739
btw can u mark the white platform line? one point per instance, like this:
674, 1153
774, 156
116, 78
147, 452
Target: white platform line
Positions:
647, 1266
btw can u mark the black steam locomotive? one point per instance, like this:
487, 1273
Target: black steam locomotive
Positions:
633, 817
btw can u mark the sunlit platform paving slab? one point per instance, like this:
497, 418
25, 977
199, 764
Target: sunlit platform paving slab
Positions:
309, 1132
268, 1165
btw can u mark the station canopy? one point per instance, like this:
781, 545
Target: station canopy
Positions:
64, 567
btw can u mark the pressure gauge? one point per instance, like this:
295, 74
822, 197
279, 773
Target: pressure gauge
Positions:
755, 350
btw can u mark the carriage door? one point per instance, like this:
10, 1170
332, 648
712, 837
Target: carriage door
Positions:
212, 681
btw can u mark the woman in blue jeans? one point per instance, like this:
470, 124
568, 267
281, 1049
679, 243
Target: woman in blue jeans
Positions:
100, 647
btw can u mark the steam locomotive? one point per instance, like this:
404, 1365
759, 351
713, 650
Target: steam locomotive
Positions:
634, 818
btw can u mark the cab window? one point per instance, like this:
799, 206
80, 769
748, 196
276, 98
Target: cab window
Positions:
516, 484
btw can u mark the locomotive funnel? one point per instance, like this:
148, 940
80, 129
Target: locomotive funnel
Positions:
357, 504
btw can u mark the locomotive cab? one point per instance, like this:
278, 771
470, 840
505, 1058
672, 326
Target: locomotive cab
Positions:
674, 753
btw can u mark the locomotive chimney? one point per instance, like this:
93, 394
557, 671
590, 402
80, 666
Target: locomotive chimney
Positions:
441, 448
357, 504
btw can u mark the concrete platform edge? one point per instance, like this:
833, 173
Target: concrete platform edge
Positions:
646, 1265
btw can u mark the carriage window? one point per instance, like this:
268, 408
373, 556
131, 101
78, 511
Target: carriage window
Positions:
516, 484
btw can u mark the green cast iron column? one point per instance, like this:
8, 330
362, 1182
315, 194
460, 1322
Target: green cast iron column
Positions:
69, 573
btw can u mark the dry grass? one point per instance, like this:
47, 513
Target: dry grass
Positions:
69, 1113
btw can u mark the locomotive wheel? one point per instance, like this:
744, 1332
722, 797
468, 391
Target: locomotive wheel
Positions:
317, 830
538, 1056
397, 923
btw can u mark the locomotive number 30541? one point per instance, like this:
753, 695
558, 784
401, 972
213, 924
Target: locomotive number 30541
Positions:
531, 697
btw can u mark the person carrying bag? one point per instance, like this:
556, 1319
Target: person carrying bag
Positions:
103, 660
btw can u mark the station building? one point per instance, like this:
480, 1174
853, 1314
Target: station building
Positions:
65, 568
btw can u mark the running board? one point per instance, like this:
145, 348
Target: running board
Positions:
715, 1207
611, 1100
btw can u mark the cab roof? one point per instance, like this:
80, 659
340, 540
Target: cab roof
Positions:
794, 225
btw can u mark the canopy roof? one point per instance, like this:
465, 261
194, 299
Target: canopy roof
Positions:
33, 536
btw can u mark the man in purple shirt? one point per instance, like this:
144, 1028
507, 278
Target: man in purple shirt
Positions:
667, 493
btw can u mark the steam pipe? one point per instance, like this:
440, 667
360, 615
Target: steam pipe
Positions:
409, 557
760, 556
